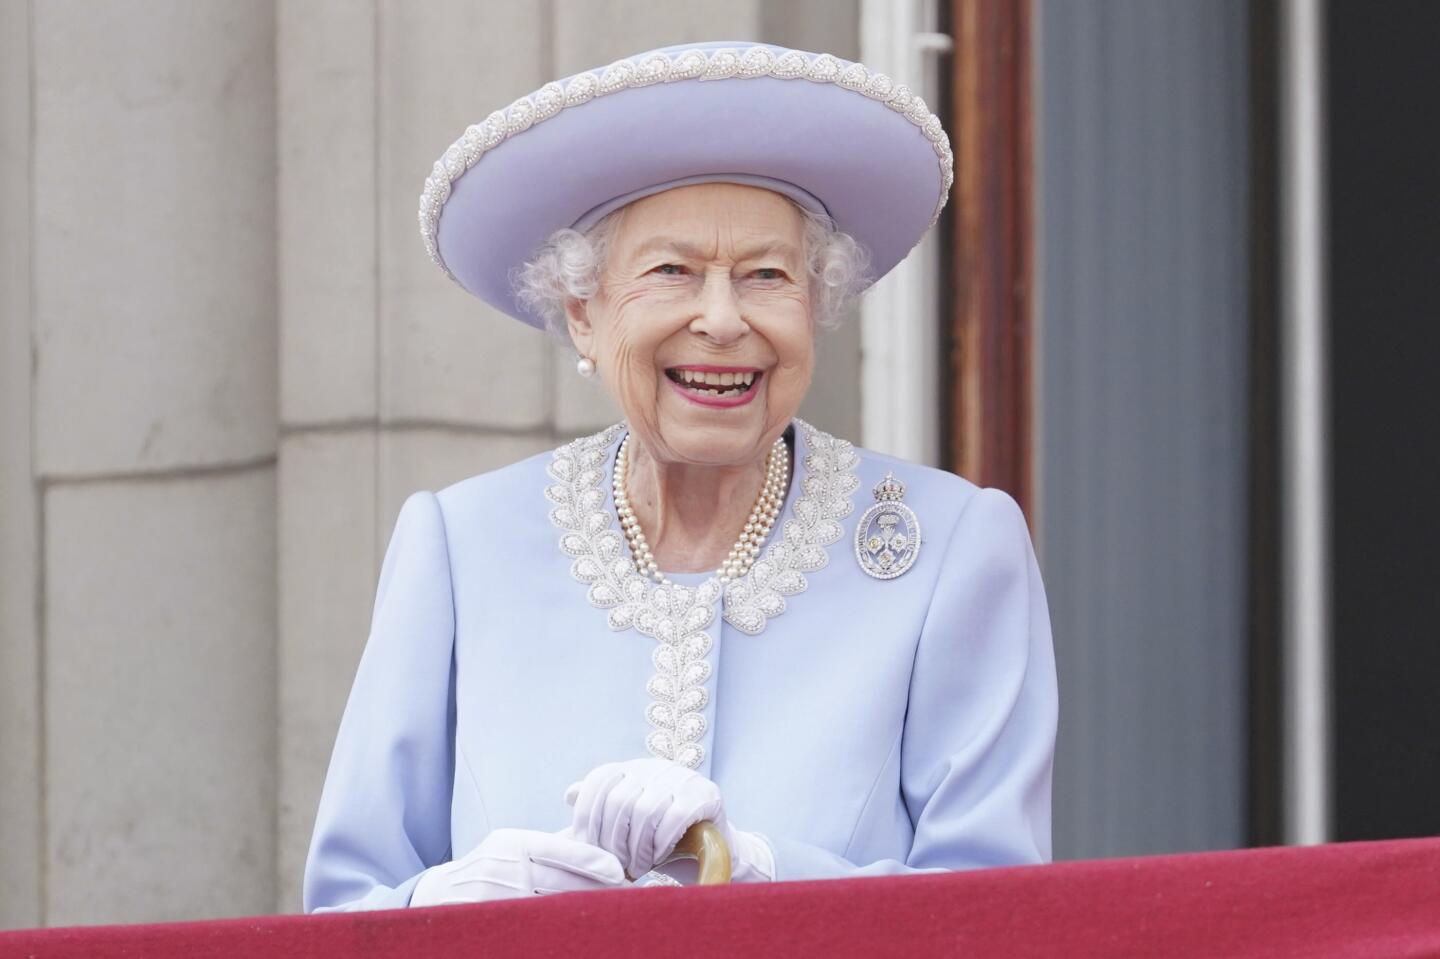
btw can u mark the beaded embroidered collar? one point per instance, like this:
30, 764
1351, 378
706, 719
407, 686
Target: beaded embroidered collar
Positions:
679, 617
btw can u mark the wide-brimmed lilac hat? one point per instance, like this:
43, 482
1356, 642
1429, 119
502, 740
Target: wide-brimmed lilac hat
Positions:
828, 133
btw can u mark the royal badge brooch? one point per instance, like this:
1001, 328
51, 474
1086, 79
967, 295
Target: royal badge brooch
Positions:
887, 538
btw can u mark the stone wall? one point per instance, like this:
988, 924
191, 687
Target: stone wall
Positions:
225, 360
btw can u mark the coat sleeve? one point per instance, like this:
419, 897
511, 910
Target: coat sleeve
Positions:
384, 813
979, 735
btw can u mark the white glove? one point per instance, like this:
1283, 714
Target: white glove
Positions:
510, 863
639, 809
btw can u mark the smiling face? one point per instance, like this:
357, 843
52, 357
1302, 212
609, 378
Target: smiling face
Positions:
702, 327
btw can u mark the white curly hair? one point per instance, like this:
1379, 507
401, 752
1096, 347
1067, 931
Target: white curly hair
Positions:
568, 265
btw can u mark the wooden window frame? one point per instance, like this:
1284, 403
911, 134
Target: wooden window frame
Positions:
989, 366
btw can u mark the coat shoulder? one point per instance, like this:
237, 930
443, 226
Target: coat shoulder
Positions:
482, 500
937, 496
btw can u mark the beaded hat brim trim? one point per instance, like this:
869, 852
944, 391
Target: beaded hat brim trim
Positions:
868, 149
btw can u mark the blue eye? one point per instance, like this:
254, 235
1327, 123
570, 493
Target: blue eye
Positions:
769, 273
669, 269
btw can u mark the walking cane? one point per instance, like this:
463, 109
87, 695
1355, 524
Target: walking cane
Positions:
704, 843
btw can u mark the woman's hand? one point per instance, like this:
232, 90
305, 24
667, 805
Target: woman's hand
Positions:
510, 863
638, 810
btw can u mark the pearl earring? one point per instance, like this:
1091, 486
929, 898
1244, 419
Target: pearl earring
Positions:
585, 367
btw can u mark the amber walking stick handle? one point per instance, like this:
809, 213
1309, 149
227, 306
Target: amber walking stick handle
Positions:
704, 843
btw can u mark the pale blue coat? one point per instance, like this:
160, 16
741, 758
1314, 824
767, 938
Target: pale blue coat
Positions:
870, 727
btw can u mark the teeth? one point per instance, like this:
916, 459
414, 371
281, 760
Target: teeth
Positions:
716, 379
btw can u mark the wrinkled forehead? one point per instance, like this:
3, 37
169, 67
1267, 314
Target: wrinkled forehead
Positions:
709, 219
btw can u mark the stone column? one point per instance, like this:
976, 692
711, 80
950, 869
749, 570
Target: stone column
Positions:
394, 379
20, 796
327, 558
153, 382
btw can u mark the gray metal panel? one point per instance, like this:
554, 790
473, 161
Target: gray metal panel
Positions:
1142, 138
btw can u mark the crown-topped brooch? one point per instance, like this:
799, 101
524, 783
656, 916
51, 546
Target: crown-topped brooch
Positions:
887, 538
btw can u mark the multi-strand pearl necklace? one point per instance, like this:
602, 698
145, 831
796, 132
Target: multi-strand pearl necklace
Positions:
747, 547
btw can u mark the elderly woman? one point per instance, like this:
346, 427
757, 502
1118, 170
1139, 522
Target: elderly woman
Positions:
712, 610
